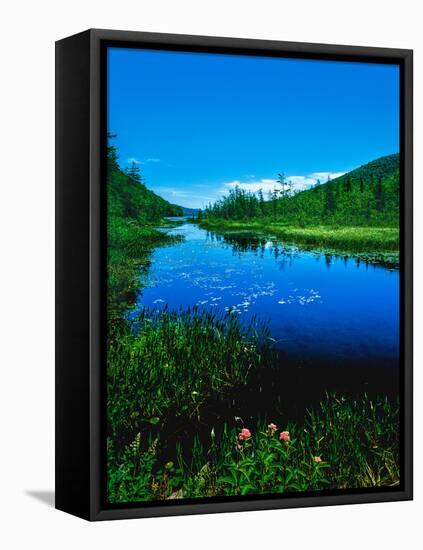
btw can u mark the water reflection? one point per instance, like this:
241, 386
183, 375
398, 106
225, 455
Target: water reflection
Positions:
318, 305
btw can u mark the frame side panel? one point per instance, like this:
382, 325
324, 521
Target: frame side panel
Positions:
408, 273
72, 274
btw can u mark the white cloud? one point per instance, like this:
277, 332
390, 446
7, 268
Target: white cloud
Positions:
265, 185
299, 183
144, 161
323, 176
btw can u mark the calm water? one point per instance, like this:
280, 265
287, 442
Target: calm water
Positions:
317, 307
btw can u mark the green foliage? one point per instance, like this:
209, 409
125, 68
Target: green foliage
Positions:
367, 196
351, 238
131, 478
355, 213
371, 244
344, 443
173, 362
128, 254
132, 209
128, 197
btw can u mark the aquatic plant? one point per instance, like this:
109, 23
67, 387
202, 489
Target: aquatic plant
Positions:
170, 362
372, 244
129, 248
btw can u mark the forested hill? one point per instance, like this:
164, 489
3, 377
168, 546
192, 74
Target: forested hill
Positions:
366, 196
382, 167
128, 197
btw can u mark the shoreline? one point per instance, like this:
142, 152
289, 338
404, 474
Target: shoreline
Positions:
375, 245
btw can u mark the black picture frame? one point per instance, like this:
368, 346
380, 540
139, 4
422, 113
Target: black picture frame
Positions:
80, 269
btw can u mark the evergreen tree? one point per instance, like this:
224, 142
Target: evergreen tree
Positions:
289, 190
112, 154
329, 199
274, 203
347, 183
282, 182
347, 200
379, 195
128, 197
261, 202
134, 172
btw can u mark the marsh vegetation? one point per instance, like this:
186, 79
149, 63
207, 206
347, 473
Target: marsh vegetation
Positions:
204, 397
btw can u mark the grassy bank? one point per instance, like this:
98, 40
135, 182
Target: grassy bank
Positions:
344, 443
129, 247
165, 368
173, 362
378, 244
133, 214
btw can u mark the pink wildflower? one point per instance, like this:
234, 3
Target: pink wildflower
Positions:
317, 459
284, 436
272, 427
244, 434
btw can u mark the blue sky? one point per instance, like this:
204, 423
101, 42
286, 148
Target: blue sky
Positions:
198, 124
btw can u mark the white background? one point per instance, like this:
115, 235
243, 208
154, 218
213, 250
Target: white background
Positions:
28, 32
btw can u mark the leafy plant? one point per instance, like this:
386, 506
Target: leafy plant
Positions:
344, 443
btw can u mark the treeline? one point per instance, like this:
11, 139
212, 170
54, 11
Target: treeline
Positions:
133, 213
128, 197
368, 195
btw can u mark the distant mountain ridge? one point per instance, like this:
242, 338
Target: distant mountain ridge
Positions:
188, 211
380, 167
367, 195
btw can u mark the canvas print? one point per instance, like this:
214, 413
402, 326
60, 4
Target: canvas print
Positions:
253, 276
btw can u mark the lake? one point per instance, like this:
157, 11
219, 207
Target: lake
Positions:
335, 320
315, 305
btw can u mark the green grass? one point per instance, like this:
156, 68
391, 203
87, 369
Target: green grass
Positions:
168, 366
376, 244
129, 247
173, 363
344, 443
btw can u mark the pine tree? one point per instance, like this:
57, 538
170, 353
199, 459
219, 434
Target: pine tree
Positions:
274, 203
134, 173
347, 183
282, 182
379, 195
261, 202
329, 199
290, 186
112, 153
